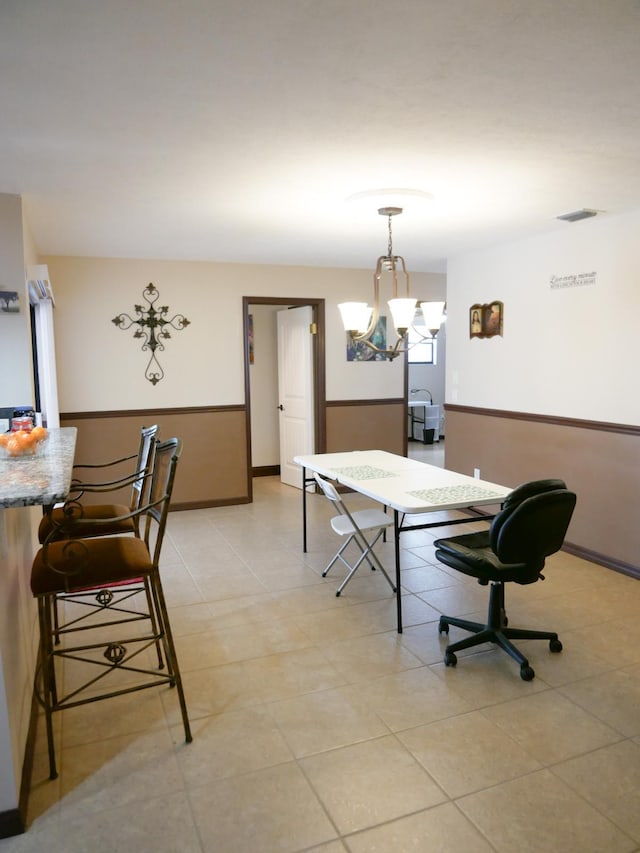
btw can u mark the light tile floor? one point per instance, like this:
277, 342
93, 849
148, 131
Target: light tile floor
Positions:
318, 728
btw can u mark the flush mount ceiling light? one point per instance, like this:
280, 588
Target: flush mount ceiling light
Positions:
577, 215
360, 320
395, 195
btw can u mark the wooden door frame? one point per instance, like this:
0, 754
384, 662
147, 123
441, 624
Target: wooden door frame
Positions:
319, 371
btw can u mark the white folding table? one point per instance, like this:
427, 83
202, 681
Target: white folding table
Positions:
406, 486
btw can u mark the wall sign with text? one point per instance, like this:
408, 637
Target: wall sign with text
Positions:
581, 279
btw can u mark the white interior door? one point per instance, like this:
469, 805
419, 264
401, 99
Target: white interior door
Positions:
295, 389
47, 382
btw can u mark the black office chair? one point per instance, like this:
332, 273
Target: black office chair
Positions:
530, 527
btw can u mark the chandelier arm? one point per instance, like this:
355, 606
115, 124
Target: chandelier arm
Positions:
428, 337
375, 313
394, 279
397, 349
387, 353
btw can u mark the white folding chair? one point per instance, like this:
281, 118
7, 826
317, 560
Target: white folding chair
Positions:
353, 526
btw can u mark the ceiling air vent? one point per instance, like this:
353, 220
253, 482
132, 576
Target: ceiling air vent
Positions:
577, 215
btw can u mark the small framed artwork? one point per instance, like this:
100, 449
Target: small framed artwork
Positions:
9, 302
486, 321
475, 320
357, 351
492, 319
251, 344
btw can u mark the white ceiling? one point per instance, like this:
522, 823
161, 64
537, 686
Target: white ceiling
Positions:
234, 130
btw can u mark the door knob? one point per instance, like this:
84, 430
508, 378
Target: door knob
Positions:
281, 407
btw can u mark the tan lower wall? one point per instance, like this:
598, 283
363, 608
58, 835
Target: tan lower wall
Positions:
367, 425
213, 467
599, 462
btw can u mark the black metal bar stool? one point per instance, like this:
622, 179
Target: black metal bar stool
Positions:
64, 566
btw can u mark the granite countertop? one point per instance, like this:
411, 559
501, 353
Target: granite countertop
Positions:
43, 479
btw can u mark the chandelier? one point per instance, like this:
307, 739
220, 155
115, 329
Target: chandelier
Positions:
360, 320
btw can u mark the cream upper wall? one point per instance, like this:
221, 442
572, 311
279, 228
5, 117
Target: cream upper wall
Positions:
101, 367
16, 384
432, 376
571, 352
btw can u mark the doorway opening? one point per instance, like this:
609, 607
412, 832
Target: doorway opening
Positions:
318, 391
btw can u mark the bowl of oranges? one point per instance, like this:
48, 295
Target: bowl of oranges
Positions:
23, 444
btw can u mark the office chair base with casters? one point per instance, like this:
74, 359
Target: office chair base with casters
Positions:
529, 528
496, 631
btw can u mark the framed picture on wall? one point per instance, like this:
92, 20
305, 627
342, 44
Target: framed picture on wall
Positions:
492, 319
251, 346
357, 351
475, 320
486, 320
9, 302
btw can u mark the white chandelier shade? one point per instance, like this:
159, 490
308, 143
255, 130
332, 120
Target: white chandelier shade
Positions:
356, 316
433, 313
402, 311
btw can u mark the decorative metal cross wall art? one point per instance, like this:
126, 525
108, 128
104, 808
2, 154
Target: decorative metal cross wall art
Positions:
153, 326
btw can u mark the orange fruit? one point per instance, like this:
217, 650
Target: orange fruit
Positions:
21, 444
4, 438
14, 446
39, 433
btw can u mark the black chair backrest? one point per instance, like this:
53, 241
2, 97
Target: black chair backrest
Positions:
531, 529
534, 487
